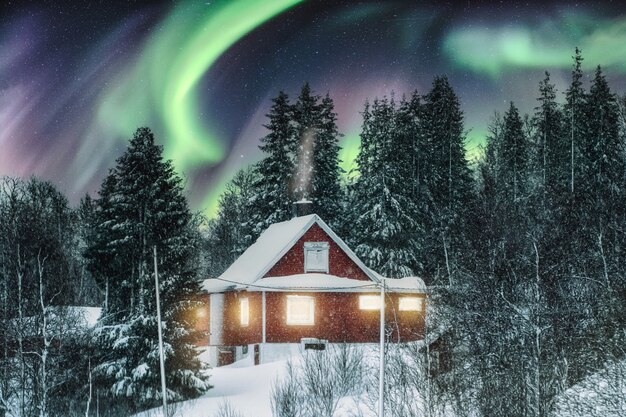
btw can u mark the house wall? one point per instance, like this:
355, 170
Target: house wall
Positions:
216, 318
234, 334
339, 263
202, 322
337, 319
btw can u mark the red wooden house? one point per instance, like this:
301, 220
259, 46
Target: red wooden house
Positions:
300, 283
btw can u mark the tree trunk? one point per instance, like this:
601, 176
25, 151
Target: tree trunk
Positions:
20, 336
43, 406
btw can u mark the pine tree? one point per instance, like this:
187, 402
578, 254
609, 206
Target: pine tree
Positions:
574, 111
411, 143
385, 228
447, 182
227, 236
273, 201
514, 150
551, 158
325, 187
603, 149
306, 122
141, 205
301, 162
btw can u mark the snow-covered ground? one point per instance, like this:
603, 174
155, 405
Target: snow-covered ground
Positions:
602, 394
245, 386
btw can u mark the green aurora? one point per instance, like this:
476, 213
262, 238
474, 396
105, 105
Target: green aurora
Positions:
499, 49
201, 74
162, 84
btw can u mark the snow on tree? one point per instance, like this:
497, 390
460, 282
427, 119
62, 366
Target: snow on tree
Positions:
385, 229
301, 161
228, 235
325, 192
551, 159
142, 205
447, 186
272, 202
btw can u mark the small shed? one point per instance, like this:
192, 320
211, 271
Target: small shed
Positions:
300, 283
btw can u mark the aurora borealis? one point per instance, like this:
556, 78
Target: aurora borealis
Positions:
77, 79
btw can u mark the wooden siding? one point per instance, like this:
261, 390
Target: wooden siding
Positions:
201, 321
337, 319
234, 333
339, 263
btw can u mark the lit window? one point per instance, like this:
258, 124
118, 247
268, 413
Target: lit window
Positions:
244, 309
410, 304
316, 257
300, 310
369, 302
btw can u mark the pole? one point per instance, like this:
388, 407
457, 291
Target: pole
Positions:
264, 336
161, 358
381, 378
264, 317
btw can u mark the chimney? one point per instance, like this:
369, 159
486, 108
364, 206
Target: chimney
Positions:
302, 208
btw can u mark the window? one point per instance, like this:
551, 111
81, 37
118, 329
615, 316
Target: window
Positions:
369, 302
410, 304
300, 310
316, 256
244, 310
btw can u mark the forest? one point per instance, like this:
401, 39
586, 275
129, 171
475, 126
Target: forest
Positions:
523, 251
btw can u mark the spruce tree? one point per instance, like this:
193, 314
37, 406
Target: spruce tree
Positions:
514, 152
325, 187
384, 228
227, 235
306, 122
447, 182
142, 205
411, 143
602, 217
603, 149
551, 158
273, 201
301, 161
574, 111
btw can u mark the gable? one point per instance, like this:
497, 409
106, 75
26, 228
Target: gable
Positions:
262, 258
339, 263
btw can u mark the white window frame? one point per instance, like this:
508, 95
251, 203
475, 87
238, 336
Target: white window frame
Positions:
244, 311
315, 247
369, 302
291, 321
406, 304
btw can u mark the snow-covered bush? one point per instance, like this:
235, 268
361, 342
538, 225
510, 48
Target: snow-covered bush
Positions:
227, 410
316, 383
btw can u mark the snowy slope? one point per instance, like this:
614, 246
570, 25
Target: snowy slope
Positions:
245, 386
602, 394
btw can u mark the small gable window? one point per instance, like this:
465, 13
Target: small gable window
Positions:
316, 257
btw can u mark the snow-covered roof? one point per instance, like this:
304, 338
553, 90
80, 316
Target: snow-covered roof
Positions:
312, 282
406, 284
317, 282
88, 315
270, 247
61, 320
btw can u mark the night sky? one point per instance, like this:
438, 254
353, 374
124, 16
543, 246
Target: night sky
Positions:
77, 79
